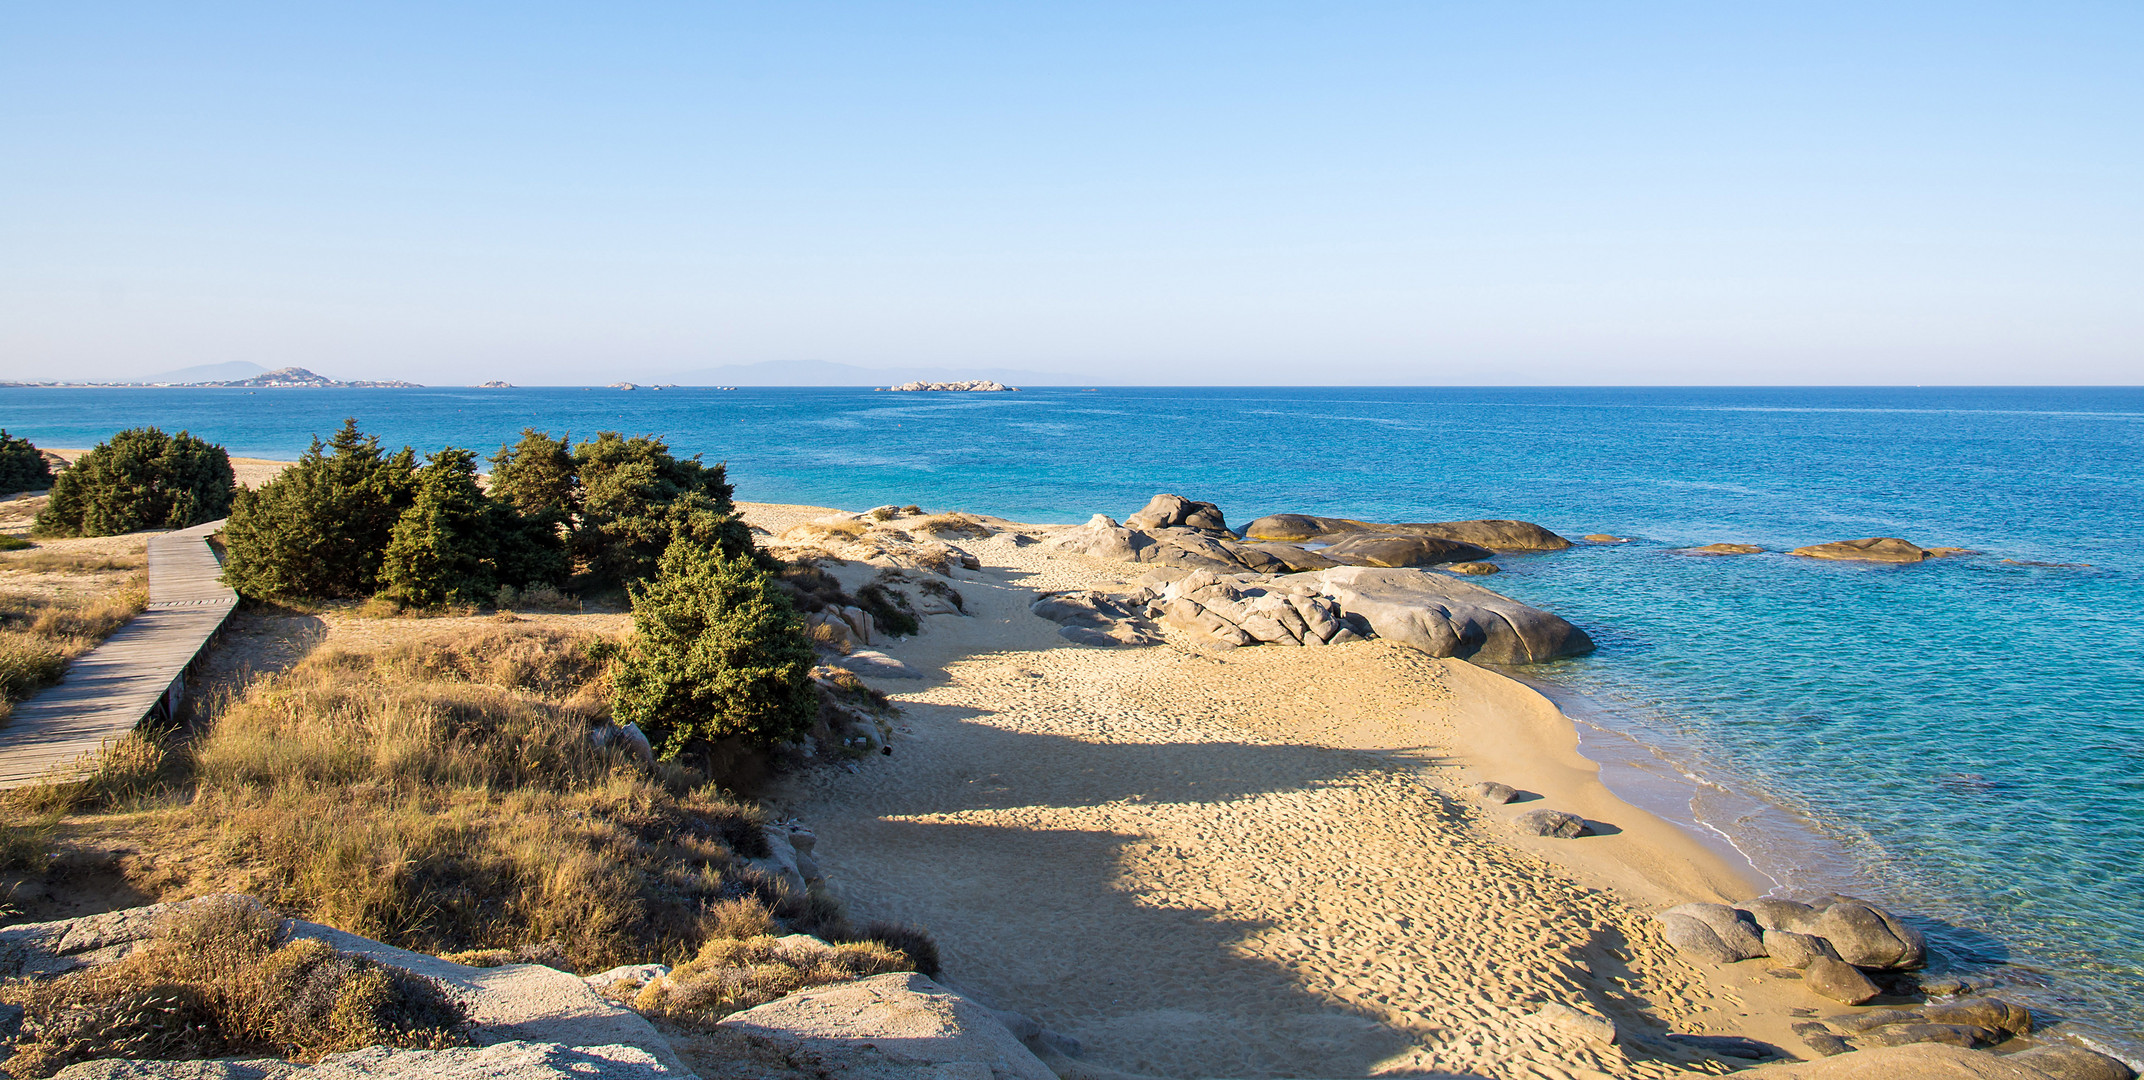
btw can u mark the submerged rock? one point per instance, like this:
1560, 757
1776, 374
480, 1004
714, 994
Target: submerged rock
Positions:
1474, 569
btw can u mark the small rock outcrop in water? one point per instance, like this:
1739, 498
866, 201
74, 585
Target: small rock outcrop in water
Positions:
971, 386
1884, 549
1495, 535
1723, 549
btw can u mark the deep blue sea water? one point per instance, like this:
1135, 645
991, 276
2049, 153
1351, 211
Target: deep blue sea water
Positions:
1963, 738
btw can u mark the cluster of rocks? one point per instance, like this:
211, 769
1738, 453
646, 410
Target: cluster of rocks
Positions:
1878, 549
1232, 591
1835, 944
968, 385
1556, 824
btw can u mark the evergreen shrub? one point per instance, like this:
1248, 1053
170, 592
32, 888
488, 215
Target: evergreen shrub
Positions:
141, 479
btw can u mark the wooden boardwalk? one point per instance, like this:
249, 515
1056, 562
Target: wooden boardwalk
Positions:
136, 673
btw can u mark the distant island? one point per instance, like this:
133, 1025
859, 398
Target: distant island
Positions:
495, 384
277, 379
974, 385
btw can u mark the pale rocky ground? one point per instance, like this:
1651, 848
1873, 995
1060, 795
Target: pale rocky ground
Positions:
1256, 862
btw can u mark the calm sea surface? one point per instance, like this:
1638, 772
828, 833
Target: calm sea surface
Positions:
1963, 738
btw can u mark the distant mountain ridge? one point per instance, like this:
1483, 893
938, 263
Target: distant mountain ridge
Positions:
300, 377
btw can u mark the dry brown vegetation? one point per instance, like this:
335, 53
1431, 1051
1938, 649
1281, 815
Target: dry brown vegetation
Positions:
731, 974
443, 795
39, 633
220, 979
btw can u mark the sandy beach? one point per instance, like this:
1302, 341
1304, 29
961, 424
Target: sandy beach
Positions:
1263, 861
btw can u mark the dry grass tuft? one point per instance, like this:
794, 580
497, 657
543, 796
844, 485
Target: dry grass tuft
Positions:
953, 525
62, 562
733, 974
220, 980
39, 634
445, 796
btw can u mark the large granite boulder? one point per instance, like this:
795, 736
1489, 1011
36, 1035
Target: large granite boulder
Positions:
1713, 933
1086, 617
1401, 551
1102, 538
1444, 616
1884, 549
1494, 534
1922, 1061
1177, 512
1838, 980
897, 1025
1867, 936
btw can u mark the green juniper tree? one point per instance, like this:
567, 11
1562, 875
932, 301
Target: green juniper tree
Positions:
321, 528
633, 495
718, 653
22, 467
444, 548
141, 479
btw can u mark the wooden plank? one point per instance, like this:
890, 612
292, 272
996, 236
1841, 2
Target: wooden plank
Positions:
140, 668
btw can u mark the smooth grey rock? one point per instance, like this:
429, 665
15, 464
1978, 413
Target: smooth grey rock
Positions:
1553, 823
1838, 980
1695, 940
1867, 936
1494, 793
1102, 538
1731, 1046
1401, 551
1795, 951
871, 663
1728, 925
1925, 1061
1825, 1044
1291, 558
1722, 549
901, 1019
502, 1061
1092, 618
1177, 512
1774, 914
1445, 616
1970, 1036
1984, 1012
2065, 1062
1573, 1025
127, 1069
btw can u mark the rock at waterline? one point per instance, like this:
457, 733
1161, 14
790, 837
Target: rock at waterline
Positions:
1474, 569
1733, 931
1604, 538
2072, 1063
1883, 549
1838, 980
1401, 551
1496, 534
1444, 616
1723, 549
1553, 823
1176, 512
1867, 936
1795, 951
1985, 1012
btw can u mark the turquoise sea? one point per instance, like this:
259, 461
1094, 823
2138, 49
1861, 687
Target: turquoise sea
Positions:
1963, 738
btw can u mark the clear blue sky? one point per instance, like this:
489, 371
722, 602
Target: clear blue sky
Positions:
1492, 193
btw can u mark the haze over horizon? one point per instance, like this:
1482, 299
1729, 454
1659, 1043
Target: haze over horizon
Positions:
1360, 194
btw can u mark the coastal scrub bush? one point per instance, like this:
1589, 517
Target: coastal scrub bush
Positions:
719, 653
22, 466
141, 479
536, 477
890, 610
221, 979
320, 528
442, 548
633, 496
